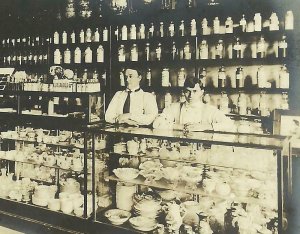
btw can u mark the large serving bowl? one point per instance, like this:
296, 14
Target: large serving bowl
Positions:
126, 173
117, 216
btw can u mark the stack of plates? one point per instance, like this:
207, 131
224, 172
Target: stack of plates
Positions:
146, 206
143, 223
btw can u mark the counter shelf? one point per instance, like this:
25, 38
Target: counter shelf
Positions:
276, 148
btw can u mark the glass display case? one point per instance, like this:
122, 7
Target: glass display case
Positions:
43, 174
176, 182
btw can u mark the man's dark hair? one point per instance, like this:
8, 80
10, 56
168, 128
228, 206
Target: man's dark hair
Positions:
133, 68
191, 81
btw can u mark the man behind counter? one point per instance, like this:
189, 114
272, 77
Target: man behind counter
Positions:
132, 106
193, 114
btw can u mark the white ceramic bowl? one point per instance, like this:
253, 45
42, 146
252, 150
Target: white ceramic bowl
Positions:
117, 216
126, 173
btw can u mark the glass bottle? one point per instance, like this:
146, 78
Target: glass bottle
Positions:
121, 53
77, 55
151, 31
239, 77
57, 57
85, 76
158, 52
228, 25
181, 28
261, 48
289, 21
202, 76
171, 29
95, 76
105, 34
88, 35
187, 51
132, 31
216, 25
193, 27
88, 55
181, 77
165, 81
56, 38
147, 52
124, 33
67, 56
203, 50
64, 37
261, 78
237, 49
257, 22
274, 22
174, 51
73, 37
219, 49
282, 47
142, 31
161, 29
205, 28
284, 77
221, 77
81, 36
97, 35
134, 53
100, 54
243, 24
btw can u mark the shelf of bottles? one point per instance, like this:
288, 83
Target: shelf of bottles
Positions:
241, 62
83, 51
25, 52
44, 168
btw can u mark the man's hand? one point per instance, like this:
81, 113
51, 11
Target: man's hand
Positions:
197, 127
125, 118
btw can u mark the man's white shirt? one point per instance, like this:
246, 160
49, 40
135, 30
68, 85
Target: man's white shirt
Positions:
143, 107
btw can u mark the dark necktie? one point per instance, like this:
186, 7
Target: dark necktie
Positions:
126, 108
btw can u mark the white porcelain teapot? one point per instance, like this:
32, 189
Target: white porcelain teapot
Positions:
175, 214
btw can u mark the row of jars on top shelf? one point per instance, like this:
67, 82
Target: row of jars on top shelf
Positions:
77, 56
81, 36
25, 41
255, 25
243, 104
263, 77
217, 50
